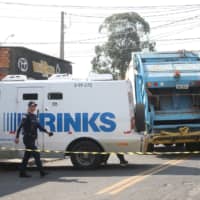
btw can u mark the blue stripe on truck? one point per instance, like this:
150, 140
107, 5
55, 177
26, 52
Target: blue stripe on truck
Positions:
7, 127
4, 122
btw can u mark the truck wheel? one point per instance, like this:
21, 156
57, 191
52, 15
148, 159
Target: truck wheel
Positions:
86, 161
194, 146
139, 117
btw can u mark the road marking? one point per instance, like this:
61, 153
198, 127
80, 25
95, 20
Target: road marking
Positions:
124, 184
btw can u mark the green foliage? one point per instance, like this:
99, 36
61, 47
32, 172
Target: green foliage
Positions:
124, 31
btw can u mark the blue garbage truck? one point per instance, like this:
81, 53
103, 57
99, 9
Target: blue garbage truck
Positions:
166, 87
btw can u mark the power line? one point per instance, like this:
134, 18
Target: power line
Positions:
172, 13
180, 30
74, 21
107, 14
148, 16
177, 21
159, 11
180, 42
29, 18
96, 7
98, 17
76, 42
178, 39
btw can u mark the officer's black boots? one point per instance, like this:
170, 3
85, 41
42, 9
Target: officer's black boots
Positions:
43, 174
123, 163
24, 175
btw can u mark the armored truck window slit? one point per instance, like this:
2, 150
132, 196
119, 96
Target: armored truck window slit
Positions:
55, 96
30, 96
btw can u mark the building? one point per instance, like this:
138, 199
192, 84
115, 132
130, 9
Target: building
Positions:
33, 64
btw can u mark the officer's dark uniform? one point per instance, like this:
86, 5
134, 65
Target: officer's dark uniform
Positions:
122, 159
29, 125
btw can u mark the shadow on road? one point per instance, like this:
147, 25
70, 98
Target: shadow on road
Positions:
176, 152
11, 183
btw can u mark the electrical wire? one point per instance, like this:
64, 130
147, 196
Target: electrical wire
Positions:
76, 42
177, 21
97, 7
29, 18
179, 31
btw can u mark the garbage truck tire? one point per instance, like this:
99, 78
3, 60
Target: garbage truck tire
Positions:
139, 117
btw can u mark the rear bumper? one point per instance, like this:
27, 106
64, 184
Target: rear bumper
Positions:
165, 137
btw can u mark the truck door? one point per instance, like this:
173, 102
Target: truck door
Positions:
26, 94
5, 139
54, 104
1, 116
6, 124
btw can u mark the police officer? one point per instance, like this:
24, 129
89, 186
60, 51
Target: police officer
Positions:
29, 126
122, 160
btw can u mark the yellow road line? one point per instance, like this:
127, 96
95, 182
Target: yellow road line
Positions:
122, 185
107, 189
138, 179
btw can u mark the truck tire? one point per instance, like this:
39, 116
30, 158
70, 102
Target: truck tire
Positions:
139, 117
86, 161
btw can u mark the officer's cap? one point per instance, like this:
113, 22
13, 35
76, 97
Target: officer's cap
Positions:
32, 103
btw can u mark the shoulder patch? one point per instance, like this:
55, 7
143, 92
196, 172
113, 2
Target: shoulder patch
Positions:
24, 116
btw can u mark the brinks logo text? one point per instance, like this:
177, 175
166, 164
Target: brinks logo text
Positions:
79, 122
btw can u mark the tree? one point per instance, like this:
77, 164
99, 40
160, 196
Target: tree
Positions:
125, 32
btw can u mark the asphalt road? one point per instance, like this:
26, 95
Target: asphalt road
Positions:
146, 177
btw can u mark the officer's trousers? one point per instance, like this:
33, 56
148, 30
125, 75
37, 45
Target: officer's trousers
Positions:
29, 143
121, 158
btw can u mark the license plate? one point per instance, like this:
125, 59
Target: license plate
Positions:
182, 86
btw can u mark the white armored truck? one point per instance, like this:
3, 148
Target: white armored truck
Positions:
85, 115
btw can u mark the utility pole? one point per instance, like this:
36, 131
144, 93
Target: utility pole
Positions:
62, 36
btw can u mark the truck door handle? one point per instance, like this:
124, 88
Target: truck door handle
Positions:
46, 109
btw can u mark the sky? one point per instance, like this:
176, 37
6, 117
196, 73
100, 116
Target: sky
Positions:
35, 24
